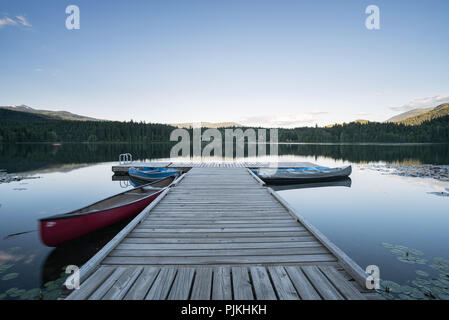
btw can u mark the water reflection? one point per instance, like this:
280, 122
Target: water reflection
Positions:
49, 158
358, 214
75, 252
338, 183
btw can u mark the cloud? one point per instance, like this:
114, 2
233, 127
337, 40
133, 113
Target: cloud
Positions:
38, 70
18, 21
318, 112
427, 102
22, 20
6, 21
384, 93
363, 114
283, 120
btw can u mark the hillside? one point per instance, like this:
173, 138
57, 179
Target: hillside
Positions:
61, 115
11, 115
435, 113
408, 114
418, 116
19, 126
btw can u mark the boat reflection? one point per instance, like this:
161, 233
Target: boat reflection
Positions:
347, 182
76, 252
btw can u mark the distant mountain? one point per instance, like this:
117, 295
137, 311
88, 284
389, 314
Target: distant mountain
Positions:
418, 116
7, 114
408, 114
61, 115
206, 124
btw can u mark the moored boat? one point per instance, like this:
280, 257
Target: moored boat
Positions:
151, 174
61, 228
305, 174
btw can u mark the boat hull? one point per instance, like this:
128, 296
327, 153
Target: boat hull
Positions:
54, 232
307, 176
151, 175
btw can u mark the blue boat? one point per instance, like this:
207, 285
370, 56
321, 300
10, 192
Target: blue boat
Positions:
151, 173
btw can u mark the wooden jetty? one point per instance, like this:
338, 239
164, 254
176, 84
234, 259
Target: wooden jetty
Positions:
221, 234
123, 168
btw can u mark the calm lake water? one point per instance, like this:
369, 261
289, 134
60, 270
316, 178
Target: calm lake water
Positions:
377, 219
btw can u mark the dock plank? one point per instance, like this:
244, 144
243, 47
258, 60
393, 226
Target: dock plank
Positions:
202, 287
282, 283
91, 284
322, 285
124, 282
182, 284
241, 284
302, 284
142, 284
161, 286
262, 284
222, 287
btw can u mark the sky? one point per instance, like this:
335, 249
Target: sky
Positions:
257, 62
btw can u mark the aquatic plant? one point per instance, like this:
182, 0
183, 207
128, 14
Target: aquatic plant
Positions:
5, 267
425, 286
10, 276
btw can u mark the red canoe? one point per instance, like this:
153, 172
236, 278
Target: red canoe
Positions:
60, 228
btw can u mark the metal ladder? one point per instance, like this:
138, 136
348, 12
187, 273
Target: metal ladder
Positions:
125, 158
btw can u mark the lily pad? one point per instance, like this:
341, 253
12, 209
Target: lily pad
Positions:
422, 273
420, 261
416, 252
406, 289
444, 281
11, 291
417, 295
387, 245
437, 290
438, 283
437, 267
387, 295
404, 297
32, 294
390, 286
5, 267
10, 276
443, 296
423, 281
441, 260
397, 251
406, 260
52, 295
17, 293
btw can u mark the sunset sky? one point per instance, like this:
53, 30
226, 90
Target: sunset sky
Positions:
256, 62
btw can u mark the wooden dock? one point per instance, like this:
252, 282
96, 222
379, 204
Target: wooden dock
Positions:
220, 233
123, 168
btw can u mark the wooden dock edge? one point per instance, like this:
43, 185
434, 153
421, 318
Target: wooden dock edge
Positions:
90, 266
260, 181
346, 262
178, 180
